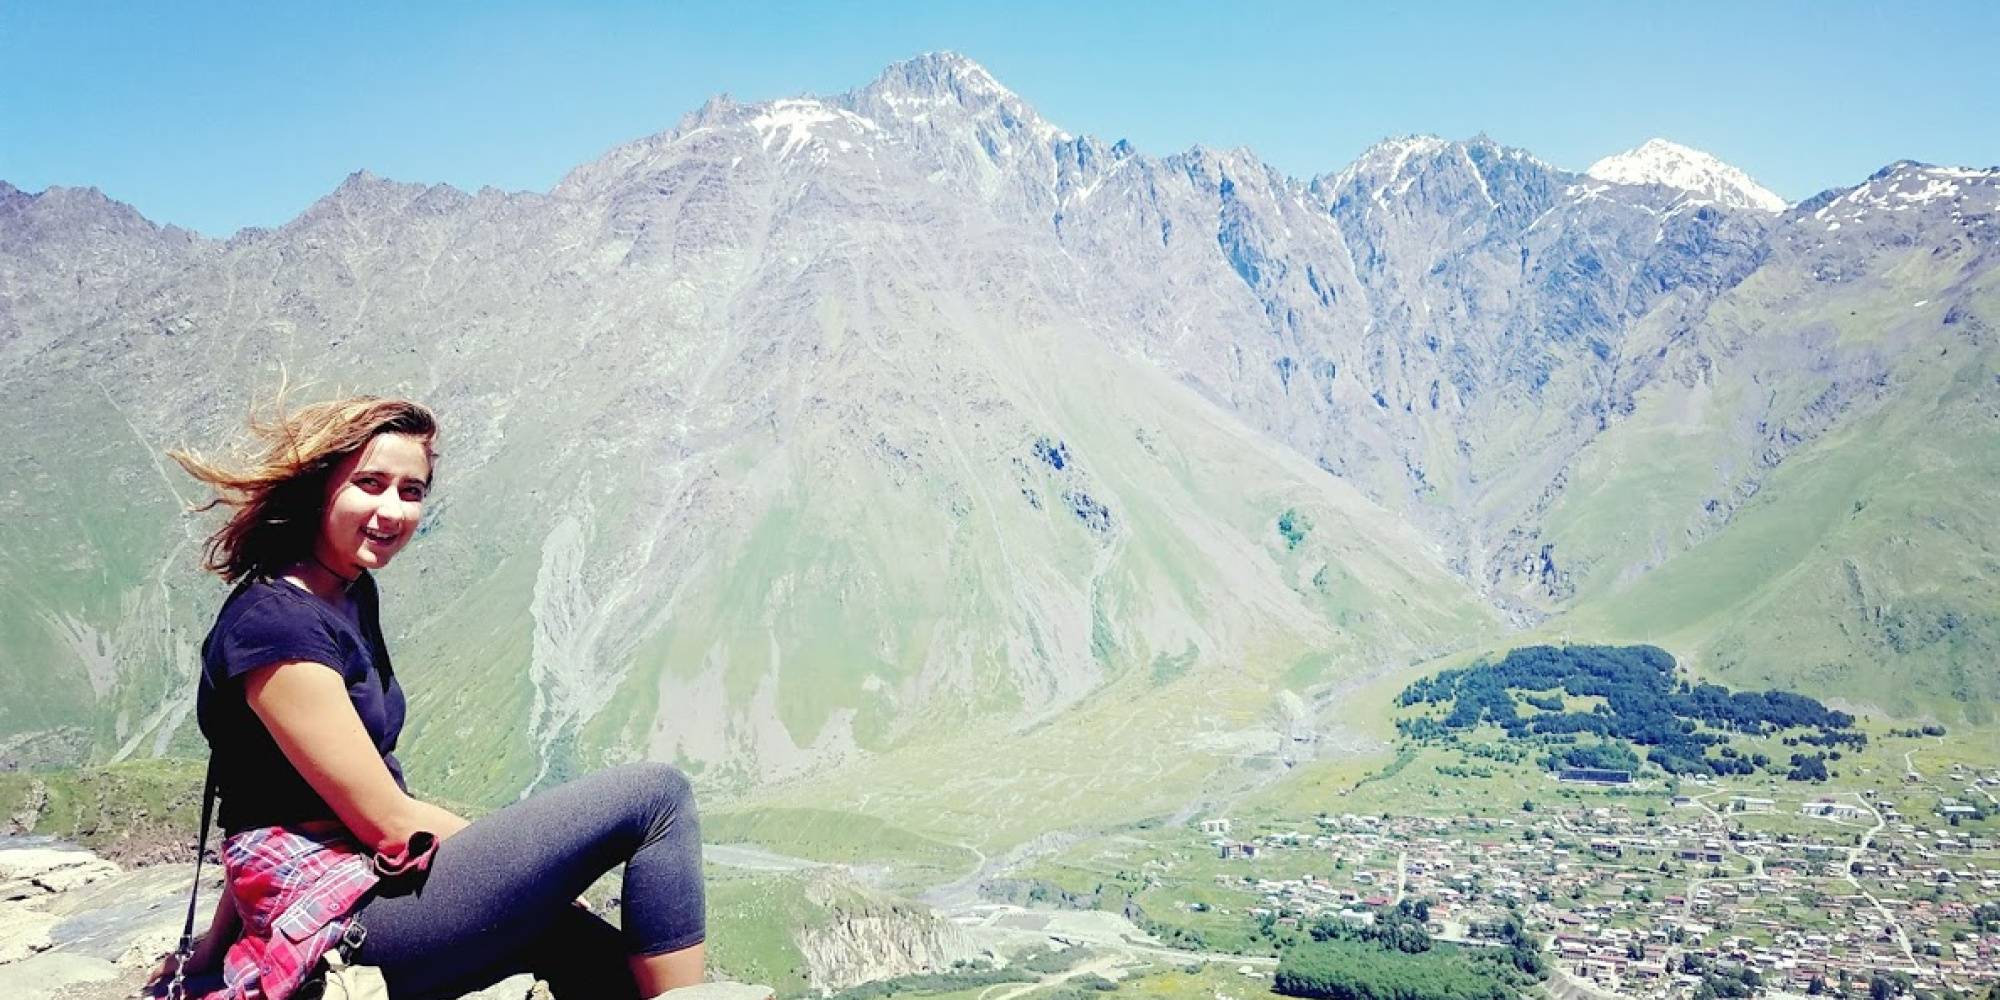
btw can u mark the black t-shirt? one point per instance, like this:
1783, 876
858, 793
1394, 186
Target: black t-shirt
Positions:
272, 621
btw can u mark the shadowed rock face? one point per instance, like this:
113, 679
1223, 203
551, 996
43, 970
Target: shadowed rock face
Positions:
868, 937
749, 426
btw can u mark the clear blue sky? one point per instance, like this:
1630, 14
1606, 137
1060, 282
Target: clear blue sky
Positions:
220, 115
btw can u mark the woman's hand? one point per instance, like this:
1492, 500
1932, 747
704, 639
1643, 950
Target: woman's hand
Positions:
203, 961
162, 974
209, 948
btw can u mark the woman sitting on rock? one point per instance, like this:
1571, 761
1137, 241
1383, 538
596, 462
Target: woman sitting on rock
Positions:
302, 711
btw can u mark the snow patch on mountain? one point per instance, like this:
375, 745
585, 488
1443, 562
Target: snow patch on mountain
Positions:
1385, 160
1907, 185
1671, 165
1401, 151
796, 119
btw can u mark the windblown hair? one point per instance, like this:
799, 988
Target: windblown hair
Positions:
277, 484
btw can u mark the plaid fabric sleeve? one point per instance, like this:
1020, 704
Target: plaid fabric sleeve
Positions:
297, 888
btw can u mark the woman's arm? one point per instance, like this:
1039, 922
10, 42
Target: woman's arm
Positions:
305, 706
223, 929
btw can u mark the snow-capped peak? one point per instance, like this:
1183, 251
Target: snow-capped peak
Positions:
1676, 166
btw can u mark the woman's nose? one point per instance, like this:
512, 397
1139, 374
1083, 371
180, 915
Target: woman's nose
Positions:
399, 510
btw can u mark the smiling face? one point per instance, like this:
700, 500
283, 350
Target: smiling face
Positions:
374, 499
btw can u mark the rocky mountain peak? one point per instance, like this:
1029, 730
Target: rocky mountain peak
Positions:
1905, 173
1388, 159
1900, 200
937, 76
83, 213
1399, 161
1476, 179
948, 85
69, 201
365, 194
1671, 165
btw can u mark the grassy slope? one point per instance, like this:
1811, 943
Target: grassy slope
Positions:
465, 735
144, 809
857, 577
1847, 559
76, 565
1865, 567
1862, 569
753, 922
836, 837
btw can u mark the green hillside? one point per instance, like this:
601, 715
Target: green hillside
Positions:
1866, 566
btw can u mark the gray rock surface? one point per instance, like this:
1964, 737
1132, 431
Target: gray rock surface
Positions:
98, 938
53, 975
70, 919
718, 991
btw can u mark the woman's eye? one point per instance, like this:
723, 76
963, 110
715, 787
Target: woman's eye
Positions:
369, 483
413, 494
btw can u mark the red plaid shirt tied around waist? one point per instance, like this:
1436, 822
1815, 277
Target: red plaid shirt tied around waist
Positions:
296, 888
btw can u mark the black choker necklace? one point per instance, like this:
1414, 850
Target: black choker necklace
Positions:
345, 581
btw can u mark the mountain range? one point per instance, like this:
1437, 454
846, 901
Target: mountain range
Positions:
899, 452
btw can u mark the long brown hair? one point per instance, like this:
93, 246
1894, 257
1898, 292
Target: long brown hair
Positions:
278, 490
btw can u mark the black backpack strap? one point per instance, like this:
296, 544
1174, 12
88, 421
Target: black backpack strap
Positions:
177, 990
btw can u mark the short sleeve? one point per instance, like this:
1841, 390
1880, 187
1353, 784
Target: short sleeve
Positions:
270, 629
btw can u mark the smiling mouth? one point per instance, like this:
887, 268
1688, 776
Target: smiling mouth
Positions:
379, 537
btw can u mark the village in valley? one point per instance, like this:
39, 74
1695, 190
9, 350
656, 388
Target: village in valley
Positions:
1613, 826
1820, 891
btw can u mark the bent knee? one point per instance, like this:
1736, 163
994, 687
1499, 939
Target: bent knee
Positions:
663, 783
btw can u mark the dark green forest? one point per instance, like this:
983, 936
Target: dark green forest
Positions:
1393, 957
1645, 704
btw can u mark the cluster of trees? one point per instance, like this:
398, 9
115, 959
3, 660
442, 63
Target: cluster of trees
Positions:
1354, 970
1082, 987
1831, 738
1808, 767
1395, 958
1925, 731
1026, 967
1720, 981
1455, 771
1293, 526
1044, 960
1397, 928
962, 976
1547, 703
1601, 756
1640, 702
1497, 751
1884, 985
1183, 937
1715, 984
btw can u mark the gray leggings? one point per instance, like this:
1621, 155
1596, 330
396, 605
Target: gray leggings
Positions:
497, 900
